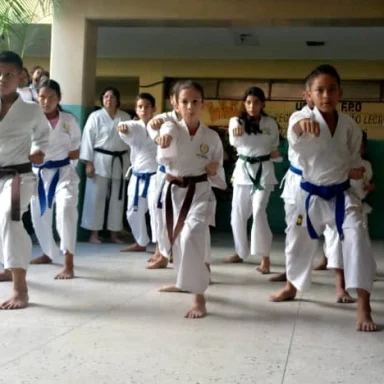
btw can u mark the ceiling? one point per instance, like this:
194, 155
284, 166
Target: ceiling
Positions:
341, 43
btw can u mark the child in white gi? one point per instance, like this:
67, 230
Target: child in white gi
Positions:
192, 154
58, 183
142, 184
328, 146
256, 138
24, 137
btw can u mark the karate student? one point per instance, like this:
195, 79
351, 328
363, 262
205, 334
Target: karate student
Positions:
362, 187
328, 146
58, 183
24, 137
193, 154
256, 138
35, 80
142, 184
23, 89
160, 258
292, 181
106, 159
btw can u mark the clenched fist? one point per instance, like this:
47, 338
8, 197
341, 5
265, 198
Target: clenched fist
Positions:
156, 123
212, 168
123, 128
164, 141
309, 126
356, 173
37, 157
89, 169
275, 154
238, 131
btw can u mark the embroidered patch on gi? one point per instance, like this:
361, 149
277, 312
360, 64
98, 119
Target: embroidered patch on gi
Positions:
267, 130
204, 148
299, 220
66, 127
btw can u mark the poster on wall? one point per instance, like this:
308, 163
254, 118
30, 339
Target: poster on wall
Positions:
369, 116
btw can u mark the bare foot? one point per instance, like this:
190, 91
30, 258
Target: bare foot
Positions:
19, 300
344, 297
43, 259
364, 318
198, 310
322, 266
6, 275
66, 273
265, 267
279, 277
285, 294
170, 288
94, 240
134, 248
365, 323
153, 258
234, 259
115, 238
159, 263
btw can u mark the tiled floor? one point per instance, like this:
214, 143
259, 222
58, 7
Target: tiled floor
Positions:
110, 325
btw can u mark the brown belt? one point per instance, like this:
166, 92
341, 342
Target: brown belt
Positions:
182, 182
15, 171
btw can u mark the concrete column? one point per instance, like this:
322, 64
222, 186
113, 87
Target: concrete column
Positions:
73, 66
73, 62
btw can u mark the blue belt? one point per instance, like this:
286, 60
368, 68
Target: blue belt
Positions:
295, 170
43, 198
327, 193
159, 202
141, 176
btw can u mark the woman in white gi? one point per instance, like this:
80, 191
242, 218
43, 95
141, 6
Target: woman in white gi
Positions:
193, 154
106, 159
256, 138
58, 183
328, 146
24, 137
142, 183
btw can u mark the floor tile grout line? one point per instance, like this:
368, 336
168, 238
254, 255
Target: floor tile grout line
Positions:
291, 341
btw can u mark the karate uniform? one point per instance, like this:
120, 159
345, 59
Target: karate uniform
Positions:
247, 200
100, 133
326, 161
142, 183
23, 130
58, 170
160, 177
26, 93
188, 157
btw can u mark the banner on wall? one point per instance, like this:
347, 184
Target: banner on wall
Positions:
369, 116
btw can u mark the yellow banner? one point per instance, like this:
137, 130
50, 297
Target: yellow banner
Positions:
369, 116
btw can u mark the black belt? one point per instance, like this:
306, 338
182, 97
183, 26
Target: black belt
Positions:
119, 155
15, 171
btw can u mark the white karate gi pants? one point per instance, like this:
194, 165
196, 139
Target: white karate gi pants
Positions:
15, 243
190, 248
358, 261
96, 193
66, 200
245, 205
136, 219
